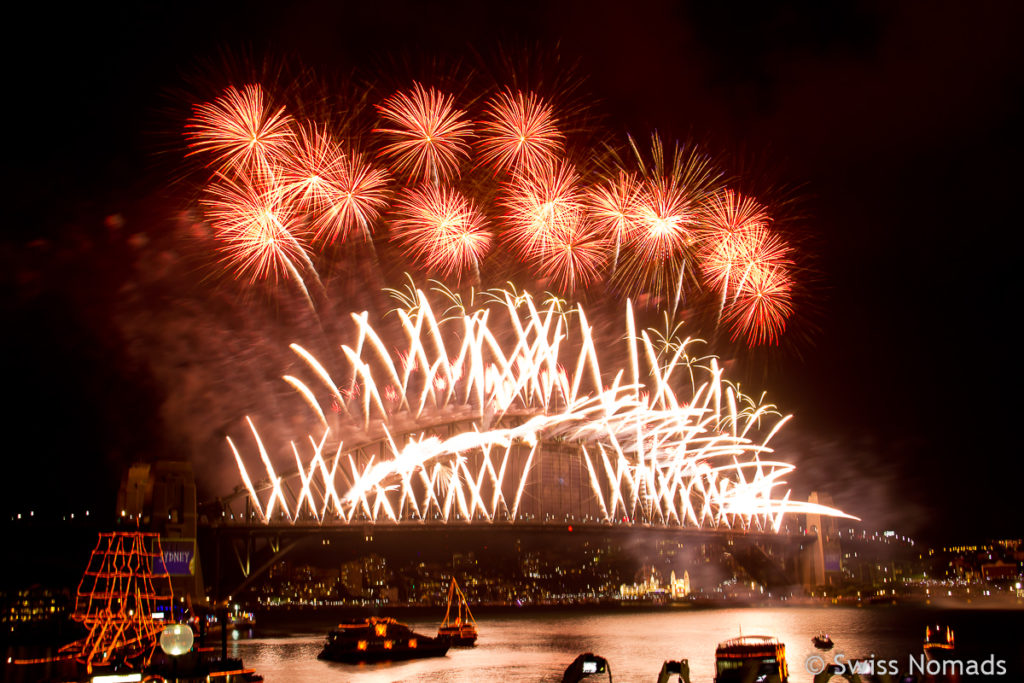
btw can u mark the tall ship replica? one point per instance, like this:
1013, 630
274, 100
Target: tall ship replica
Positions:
121, 588
458, 629
120, 600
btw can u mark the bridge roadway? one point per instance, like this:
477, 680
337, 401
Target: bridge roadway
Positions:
256, 546
311, 527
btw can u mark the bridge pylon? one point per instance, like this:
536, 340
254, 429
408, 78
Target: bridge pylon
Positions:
161, 497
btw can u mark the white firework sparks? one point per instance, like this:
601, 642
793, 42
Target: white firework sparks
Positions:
462, 424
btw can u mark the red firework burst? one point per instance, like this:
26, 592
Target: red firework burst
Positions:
726, 262
441, 229
430, 137
241, 131
665, 220
519, 133
548, 226
614, 206
736, 237
762, 304
572, 255
257, 226
340, 191
361, 193
539, 205
308, 171
659, 246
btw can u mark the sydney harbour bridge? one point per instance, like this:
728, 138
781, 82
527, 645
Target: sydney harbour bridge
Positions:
502, 417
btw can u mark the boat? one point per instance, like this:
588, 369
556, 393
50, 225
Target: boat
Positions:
588, 666
459, 631
211, 624
749, 658
379, 639
823, 641
938, 643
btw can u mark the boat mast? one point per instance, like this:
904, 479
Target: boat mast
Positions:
455, 593
463, 602
448, 610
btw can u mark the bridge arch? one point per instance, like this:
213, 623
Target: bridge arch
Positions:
470, 424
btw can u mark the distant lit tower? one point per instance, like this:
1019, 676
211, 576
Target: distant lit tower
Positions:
649, 577
679, 588
821, 563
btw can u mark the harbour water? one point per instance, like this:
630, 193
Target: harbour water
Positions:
538, 645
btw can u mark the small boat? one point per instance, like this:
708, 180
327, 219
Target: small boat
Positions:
459, 631
823, 641
750, 658
379, 639
236, 621
938, 643
590, 666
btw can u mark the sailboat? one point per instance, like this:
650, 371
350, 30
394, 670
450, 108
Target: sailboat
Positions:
459, 629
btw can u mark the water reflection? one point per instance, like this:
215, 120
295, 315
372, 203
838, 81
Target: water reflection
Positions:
538, 646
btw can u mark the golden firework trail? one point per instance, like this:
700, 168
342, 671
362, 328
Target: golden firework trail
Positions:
459, 425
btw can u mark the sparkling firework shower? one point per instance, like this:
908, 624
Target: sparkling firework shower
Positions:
492, 187
457, 427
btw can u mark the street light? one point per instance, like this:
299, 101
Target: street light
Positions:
176, 640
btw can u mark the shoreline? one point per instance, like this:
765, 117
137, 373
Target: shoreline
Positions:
270, 615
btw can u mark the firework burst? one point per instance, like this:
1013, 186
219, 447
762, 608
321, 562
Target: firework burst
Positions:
441, 229
539, 205
763, 303
666, 215
360, 194
665, 219
572, 254
614, 206
430, 137
728, 260
241, 131
735, 236
258, 227
659, 227
307, 172
519, 133
549, 227
339, 190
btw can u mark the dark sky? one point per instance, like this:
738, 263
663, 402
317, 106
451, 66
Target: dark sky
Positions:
900, 123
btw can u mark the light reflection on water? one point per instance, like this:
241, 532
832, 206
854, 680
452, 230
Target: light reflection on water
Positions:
538, 646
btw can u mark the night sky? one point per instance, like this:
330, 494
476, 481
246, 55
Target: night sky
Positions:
896, 126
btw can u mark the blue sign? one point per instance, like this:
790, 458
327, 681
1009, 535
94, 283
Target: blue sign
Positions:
179, 558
